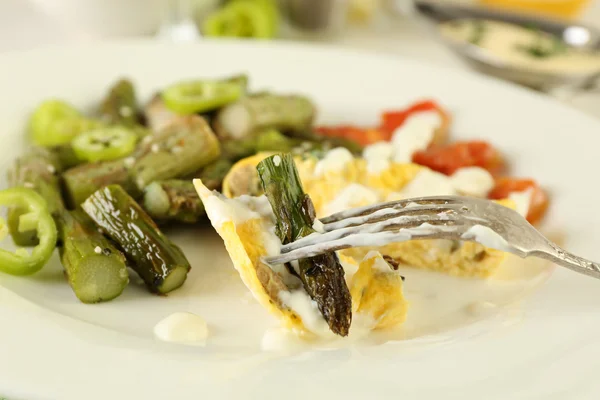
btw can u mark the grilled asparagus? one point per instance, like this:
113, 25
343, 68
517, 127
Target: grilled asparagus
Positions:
257, 113
173, 200
181, 149
159, 262
95, 269
120, 105
322, 276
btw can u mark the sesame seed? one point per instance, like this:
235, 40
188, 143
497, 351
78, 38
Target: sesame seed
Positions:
147, 139
51, 168
176, 149
155, 148
97, 250
277, 161
28, 185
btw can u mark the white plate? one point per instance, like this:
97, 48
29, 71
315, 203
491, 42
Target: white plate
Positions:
52, 347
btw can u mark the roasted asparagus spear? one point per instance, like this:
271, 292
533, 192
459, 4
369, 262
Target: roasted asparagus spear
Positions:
95, 269
83, 180
182, 148
259, 112
120, 105
322, 276
66, 156
173, 200
38, 170
213, 174
159, 262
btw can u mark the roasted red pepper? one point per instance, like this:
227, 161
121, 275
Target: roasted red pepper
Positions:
447, 159
362, 136
538, 204
391, 120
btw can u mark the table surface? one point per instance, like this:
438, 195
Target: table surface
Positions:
23, 26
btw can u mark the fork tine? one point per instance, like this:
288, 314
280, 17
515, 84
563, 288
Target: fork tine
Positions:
390, 212
398, 204
422, 231
395, 223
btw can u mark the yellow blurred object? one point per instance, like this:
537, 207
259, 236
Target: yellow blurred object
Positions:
552, 8
362, 11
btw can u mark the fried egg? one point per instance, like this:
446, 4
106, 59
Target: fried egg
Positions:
247, 226
339, 181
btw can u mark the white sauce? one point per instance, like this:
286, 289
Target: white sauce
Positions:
351, 196
334, 161
509, 43
487, 237
220, 209
182, 327
415, 134
378, 156
380, 264
307, 309
318, 226
426, 183
522, 201
472, 181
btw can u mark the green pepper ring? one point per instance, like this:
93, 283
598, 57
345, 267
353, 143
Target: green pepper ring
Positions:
200, 96
36, 214
104, 144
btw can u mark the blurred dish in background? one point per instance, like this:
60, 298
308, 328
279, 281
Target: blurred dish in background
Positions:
550, 53
553, 8
107, 18
523, 47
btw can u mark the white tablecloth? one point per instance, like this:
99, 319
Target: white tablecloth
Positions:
23, 26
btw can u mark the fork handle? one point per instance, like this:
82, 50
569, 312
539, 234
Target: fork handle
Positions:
571, 261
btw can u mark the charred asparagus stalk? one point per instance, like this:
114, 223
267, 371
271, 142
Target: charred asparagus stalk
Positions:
37, 170
158, 261
95, 269
182, 148
120, 105
322, 276
213, 174
256, 113
83, 180
268, 140
66, 156
173, 200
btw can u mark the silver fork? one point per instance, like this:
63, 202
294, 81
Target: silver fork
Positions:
441, 217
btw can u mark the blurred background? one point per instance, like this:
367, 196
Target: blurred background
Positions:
401, 27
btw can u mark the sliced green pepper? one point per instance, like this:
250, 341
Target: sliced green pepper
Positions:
201, 96
244, 18
104, 144
55, 122
36, 217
